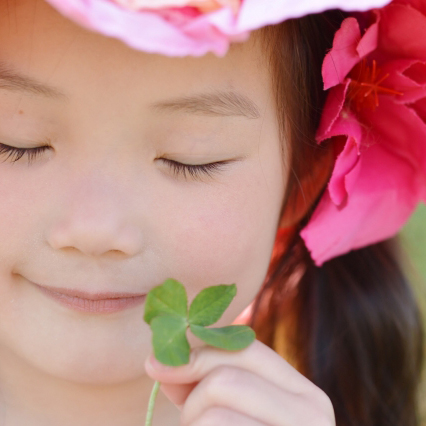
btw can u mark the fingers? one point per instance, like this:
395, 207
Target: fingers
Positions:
222, 416
176, 393
237, 390
248, 395
257, 358
255, 384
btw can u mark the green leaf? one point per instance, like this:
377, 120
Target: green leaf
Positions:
209, 305
169, 340
233, 337
168, 298
166, 311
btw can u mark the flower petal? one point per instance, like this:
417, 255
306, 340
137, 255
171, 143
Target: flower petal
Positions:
420, 109
256, 14
344, 55
369, 40
151, 31
149, 4
403, 32
331, 111
370, 199
346, 162
408, 77
399, 129
348, 50
386, 192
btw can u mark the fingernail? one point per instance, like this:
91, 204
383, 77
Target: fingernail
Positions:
156, 365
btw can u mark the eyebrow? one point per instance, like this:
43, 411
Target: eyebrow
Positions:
12, 80
214, 104
219, 103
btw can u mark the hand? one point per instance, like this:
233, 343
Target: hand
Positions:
251, 387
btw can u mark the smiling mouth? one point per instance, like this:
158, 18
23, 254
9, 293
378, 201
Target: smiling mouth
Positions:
93, 302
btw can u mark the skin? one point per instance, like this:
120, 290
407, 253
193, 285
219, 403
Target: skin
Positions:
100, 211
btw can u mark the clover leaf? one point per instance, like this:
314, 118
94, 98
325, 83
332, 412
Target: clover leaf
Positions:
169, 334
233, 337
166, 311
166, 299
209, 305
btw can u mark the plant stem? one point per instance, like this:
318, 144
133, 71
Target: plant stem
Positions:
150, 412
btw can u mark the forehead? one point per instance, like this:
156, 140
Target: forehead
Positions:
38, 41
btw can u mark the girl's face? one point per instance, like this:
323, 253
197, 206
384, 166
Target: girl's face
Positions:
104, 209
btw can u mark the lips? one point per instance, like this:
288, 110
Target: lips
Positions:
105, 302
90, 296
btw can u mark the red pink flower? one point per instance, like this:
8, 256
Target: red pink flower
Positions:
376, 110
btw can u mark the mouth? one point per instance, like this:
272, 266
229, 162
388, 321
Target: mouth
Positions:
82, 301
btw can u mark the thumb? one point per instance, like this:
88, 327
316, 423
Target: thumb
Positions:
175, 392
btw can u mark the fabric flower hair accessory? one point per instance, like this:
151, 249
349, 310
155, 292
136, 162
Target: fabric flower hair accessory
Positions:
191, 27
376, 73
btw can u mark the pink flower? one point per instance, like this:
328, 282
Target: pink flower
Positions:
191, 27
377, 108
202, 5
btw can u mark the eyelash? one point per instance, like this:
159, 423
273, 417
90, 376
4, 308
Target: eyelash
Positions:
18, 153
195, 171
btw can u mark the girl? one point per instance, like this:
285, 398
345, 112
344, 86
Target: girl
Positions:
142, 156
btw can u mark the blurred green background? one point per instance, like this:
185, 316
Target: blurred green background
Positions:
413, 239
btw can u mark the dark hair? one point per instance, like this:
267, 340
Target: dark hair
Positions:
352, 325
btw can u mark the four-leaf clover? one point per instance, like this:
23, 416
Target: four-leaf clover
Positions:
166, 311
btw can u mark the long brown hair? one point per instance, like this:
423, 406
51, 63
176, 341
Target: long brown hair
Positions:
352, 326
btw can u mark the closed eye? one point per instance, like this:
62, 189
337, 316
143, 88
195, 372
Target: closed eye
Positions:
194, 171
17, 153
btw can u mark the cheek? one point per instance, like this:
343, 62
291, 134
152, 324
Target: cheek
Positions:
18, 212
226, 235
215, 235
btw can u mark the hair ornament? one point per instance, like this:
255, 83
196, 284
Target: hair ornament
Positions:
191, 27
376, 110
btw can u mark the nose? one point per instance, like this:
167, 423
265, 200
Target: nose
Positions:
95, 217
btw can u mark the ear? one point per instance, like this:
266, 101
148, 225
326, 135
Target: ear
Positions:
309, 186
